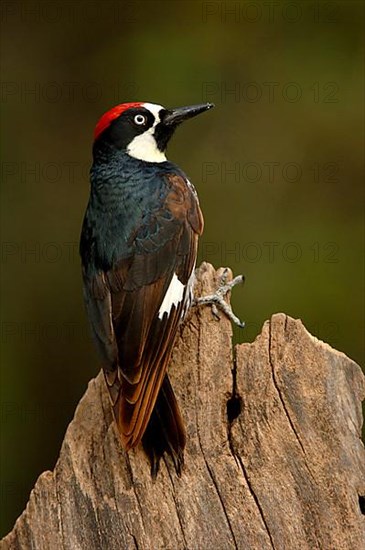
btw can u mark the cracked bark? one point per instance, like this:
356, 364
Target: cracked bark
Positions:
285, 470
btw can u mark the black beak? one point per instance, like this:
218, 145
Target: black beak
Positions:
173, 117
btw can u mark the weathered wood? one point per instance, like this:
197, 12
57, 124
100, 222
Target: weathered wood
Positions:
286, 473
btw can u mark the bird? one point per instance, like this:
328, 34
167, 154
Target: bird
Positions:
138, 248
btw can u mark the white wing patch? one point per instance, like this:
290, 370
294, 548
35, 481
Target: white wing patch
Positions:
173, 296
144, 146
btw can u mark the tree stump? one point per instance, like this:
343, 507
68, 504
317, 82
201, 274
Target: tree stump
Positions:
274, 457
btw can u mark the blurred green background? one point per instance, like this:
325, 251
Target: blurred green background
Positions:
278, 166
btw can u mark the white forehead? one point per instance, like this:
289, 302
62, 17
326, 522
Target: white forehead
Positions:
154, 109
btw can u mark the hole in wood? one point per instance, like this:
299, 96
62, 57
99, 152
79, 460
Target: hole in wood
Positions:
234, 407
362, 504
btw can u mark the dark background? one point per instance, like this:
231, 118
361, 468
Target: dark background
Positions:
278, 166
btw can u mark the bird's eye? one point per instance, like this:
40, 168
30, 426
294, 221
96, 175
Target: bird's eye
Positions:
139, 119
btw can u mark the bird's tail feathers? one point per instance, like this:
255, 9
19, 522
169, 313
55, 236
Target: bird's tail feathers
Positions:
165, 431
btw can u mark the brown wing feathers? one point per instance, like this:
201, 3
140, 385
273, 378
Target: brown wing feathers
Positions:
125, 314
137, 401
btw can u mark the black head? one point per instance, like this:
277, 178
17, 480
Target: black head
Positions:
143, 130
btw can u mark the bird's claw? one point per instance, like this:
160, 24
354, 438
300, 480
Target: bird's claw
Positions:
217, 300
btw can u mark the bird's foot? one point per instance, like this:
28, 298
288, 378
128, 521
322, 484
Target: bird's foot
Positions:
217, 301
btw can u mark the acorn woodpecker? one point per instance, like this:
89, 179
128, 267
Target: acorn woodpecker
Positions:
138, 248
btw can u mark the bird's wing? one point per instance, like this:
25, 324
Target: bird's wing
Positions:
136, 307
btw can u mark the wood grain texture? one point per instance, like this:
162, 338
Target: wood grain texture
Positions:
286, 473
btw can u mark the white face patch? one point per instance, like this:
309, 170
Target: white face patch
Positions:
154, 109
144, 146
173, 296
